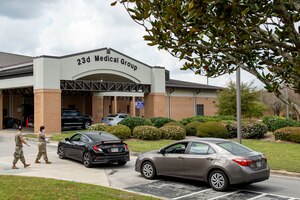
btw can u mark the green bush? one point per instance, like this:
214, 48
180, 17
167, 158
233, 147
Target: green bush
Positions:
191, 128
172, 132
133, 122
275, 122
160, 121
121, 131
98, 127
291, 134
175, 124
217, 118
212, 129
250, 130
147, 133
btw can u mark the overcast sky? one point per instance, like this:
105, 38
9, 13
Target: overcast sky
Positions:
61, 27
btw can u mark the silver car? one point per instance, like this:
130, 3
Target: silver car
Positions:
219, 162
114, 119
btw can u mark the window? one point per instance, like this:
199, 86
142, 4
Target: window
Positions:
178, 148
200, 109
200, 148
75, 138
85, 139
234, 148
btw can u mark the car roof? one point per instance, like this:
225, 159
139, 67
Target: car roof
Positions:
100, 135
208, 140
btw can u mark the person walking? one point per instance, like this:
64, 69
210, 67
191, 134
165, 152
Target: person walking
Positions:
19, 149
42, 146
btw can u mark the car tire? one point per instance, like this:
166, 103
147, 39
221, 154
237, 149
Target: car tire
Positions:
61, 152
87, 159
218, 180
121, 163
148, 170
86, 124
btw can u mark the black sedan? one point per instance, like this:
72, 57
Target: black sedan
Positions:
92, 147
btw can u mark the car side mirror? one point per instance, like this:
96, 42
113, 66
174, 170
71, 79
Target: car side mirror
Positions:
67, 139
162, 151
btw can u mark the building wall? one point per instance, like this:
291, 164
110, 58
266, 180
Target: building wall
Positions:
209, 105
181, 107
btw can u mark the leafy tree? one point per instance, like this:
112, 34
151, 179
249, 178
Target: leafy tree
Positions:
214, 37
250, 104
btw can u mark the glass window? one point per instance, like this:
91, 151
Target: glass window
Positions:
234, 148
75, 138
84, 139
178, 148
200, 148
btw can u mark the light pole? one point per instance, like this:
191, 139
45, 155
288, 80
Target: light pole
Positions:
238, 104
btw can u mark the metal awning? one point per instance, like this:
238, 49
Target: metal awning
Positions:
103, 86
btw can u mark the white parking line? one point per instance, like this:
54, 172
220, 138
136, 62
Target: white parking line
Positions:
191, 194
262, 195
265, 194
224, 195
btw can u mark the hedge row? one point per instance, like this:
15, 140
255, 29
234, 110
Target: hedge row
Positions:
275, 122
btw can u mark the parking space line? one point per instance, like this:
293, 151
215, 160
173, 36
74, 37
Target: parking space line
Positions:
266, 194
224, 195
262, 195
191, 194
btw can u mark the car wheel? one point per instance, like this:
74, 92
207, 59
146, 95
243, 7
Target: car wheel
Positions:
218, 180
86, 124
61, 152
121, 163
87, 159
148, 170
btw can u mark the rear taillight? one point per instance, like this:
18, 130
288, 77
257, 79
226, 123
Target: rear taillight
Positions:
242, 161
96, 148
126, 146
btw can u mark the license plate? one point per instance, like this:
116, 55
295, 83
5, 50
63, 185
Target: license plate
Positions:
258, 163
114, 150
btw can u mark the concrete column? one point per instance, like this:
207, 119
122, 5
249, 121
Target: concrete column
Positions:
47, 110
97, 108
156, 105
1, 110
115, 105
132, 107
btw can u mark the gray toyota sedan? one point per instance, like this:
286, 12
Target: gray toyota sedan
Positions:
219, 162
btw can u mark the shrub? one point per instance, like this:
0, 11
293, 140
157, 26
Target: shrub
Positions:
291, 134
133, 122
147, 133
175, 124
212, 129
121, 131
98, 127
216, 118
172, 132
275, 122
191, 128
250, 130
160, 121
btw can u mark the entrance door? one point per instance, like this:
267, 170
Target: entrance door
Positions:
200, 109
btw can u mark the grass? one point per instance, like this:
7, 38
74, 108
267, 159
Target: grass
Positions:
18, 187
281, 155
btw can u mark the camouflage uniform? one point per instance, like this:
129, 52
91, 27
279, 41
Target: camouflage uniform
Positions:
19, 149
42, 147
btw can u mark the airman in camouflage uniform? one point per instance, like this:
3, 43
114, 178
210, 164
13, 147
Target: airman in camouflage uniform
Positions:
19, 149
42, 146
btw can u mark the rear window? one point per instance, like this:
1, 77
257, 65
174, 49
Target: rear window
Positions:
235, 148
102, 137
113, 115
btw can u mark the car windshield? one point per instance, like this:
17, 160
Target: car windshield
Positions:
113, 115
234, 148
103, 137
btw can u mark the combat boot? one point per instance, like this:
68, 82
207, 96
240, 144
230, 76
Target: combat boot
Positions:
48, 162
14, 167
36, 161
26, 165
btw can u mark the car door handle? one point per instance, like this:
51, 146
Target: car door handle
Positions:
180, 158
210, 159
